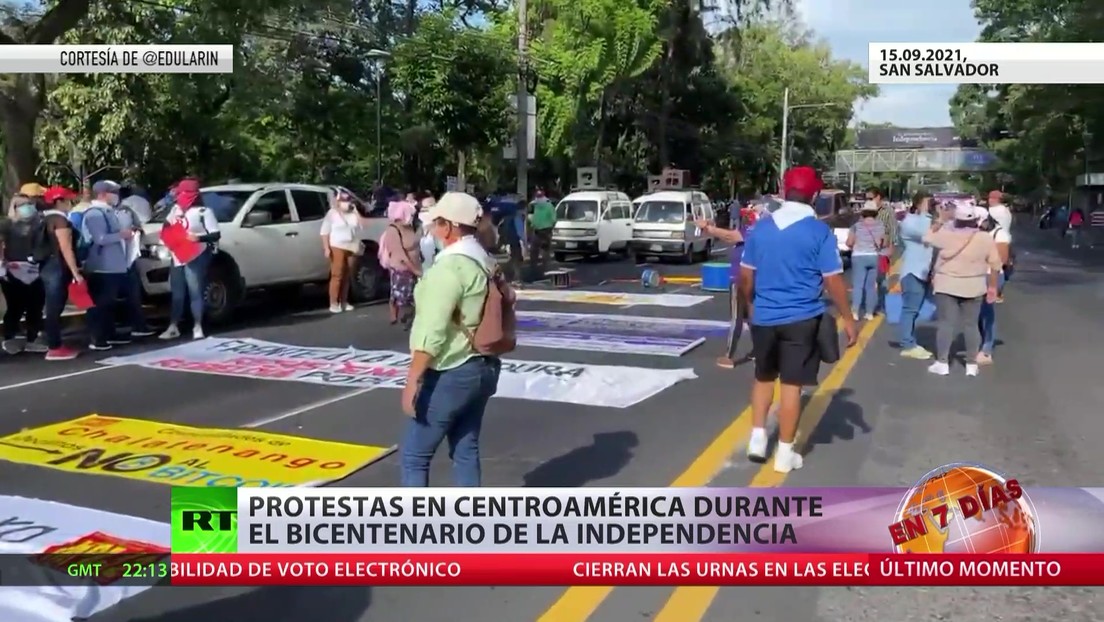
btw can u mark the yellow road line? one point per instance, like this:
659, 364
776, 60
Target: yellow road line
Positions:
578, 603
691, 603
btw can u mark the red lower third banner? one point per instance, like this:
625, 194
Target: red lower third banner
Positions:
246, 569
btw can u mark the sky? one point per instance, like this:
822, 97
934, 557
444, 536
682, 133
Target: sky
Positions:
850, 25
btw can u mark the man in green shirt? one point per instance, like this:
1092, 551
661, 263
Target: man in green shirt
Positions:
449, 383
542, 219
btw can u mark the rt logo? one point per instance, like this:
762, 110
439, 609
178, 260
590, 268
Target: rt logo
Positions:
201, 520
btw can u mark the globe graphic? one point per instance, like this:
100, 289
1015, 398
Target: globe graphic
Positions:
1011, 528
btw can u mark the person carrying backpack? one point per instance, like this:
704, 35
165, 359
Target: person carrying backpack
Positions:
58, 268
21, 238
103, 244
465, 321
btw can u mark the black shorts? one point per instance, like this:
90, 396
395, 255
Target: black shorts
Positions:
788, 352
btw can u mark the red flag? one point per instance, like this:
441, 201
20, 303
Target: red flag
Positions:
79, 296
175, 238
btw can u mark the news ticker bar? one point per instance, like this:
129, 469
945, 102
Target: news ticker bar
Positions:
116, 59
986, 63
556, 569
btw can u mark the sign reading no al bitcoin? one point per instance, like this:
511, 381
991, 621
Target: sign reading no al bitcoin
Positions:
186, 456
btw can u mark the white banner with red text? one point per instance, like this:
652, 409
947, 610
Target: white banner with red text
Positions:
623, 569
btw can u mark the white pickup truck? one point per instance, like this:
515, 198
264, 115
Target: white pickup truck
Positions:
270, 239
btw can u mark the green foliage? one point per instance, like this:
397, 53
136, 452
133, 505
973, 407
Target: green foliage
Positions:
458, 80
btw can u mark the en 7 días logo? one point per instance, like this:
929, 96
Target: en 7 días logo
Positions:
204, 520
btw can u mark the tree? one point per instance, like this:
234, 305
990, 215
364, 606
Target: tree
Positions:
459, 82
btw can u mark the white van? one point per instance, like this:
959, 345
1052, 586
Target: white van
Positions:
663, 225
592, 222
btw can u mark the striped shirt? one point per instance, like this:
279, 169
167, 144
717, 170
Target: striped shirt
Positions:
1096, 219
888, 218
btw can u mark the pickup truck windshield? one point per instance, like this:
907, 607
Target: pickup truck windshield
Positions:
225, 204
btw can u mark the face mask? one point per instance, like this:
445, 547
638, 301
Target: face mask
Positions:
345, 206
26, 211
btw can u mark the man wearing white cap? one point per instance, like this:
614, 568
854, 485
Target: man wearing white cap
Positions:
449, 383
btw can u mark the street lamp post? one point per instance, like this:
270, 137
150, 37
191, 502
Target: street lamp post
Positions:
786, 108
1087, 137
379, 56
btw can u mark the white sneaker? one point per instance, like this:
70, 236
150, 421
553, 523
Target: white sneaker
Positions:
13, 346
939, 369
336, 309
971, 369
757, 445
868, 316
197, 333
786, 459
172, 332
347, 307
38, 346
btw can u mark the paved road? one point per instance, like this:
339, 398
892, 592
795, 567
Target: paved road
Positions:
1034, 414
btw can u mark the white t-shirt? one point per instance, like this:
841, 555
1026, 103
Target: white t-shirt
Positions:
1002, 233
198, 221
343, 230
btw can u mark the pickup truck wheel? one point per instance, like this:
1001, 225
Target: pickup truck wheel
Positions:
370, 280
221, 294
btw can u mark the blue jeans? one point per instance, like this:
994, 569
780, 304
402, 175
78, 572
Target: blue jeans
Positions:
450, 405
55, 281
864, 283
987, 320
105, 288
188, 283
913, 291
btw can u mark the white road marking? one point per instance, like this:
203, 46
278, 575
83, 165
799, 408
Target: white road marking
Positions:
28, 383
306, 408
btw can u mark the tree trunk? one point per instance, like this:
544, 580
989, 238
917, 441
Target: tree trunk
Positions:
665, 107
461, 172
20, 157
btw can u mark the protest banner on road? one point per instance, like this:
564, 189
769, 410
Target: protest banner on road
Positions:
614, 344
178, 455
36, 539
572, 383
611, 298
660, 326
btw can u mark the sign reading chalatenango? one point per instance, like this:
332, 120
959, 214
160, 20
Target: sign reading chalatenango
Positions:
594, 385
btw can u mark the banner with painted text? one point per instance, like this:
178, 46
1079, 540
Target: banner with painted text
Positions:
179, 455
44, 530
641, 324
613, 344
611, 298
592, 385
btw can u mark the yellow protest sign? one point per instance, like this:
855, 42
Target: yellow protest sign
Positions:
180, 455
603, 299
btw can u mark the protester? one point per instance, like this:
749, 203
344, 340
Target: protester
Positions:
129, 219
1076, 223
964, 274
486, 233
106, 263
737, 304
188, 280
789, 260
399, 254
449, 382
916, 262
997, 219
341, 233
21, 284
888, 217
428, 245
866, 239
59, 268
542, 220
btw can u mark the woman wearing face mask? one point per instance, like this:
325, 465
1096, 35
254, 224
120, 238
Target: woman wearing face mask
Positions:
58, 268
866, 241
341, 244
449, 384
188, 281
400, 254
22, 255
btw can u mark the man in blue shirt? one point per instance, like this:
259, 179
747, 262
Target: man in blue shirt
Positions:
789, 260
916, 261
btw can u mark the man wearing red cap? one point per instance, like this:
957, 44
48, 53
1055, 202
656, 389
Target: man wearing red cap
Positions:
789, 260
59, 268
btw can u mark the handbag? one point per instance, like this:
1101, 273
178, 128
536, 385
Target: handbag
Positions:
883, 264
